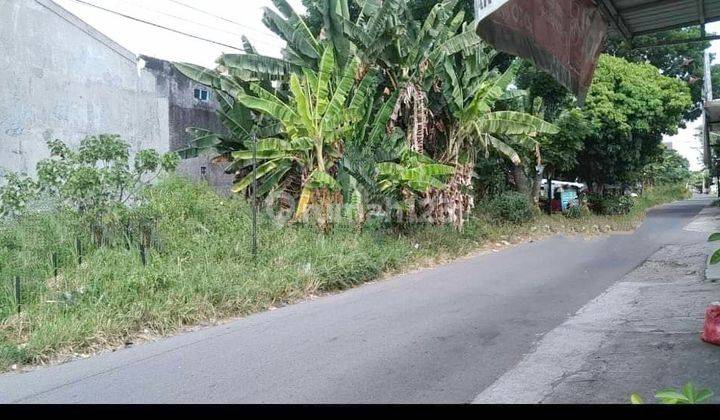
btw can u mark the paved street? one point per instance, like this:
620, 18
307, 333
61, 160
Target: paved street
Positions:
471, 330
639, 336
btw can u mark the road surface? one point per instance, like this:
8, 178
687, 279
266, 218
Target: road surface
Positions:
435, 336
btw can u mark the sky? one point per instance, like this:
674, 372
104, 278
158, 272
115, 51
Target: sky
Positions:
242, 17
140, 38
687, 142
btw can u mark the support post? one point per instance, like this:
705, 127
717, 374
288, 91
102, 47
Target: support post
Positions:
17, 293
78, 249
254, 197
143, 256
54, 258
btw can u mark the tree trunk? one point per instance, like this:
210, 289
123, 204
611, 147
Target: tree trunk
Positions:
536, 188
538, 176
521, 181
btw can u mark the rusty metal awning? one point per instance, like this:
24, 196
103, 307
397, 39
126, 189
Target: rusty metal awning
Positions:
631, 18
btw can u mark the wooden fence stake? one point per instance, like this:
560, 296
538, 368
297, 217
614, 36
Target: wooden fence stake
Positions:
17, 293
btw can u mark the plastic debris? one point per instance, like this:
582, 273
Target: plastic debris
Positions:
711, 329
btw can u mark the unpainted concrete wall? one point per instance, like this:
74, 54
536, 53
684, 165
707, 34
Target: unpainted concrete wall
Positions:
60, 78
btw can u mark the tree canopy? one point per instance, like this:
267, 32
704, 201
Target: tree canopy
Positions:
401, 100
669, 168
414, 95
683, 60
629, 108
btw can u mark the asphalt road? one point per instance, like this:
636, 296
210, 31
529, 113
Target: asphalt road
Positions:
436, 336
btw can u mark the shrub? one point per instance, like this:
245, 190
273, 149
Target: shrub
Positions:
96, 179
99, 181
15, 194
610, 205
573, 213
511, 207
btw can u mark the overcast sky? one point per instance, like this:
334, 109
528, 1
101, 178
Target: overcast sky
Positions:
246, 17
142, 38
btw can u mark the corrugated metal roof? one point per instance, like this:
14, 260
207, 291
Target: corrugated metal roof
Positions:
637, 17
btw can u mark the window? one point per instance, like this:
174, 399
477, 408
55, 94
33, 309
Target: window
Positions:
201, 95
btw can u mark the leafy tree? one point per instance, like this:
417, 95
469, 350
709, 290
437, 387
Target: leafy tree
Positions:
320, 114
315, 11
560, 151
15, 194
715, 76
700, 179
447, 88
426, 75
683, 60
99, 175
476, 124
629, 108
555, 97
669, 168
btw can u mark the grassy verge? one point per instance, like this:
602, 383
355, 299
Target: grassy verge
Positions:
201, 270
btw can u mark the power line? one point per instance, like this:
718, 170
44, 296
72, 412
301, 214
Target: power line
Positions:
159, 26
89, 33
218, 17
209, 26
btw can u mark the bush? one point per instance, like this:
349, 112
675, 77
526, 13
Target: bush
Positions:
97, 180
573, 213
511, 207
610, 205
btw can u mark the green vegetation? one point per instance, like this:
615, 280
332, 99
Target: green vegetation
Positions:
687, 395
397, 100
200, 268
383, 124
96, 180
610, 205
511, 207
670, 168
681, 60
629, 106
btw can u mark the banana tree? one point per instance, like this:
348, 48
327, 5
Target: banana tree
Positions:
471, 91
316, 119
414, 172
381, 167
239, 121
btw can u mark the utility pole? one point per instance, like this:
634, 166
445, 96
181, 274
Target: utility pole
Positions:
708, 97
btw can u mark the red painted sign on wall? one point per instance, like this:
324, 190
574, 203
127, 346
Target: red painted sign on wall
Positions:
562, 37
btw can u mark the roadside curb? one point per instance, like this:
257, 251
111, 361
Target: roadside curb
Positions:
708, 221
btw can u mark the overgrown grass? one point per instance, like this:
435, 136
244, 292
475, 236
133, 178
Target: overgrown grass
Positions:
201, 269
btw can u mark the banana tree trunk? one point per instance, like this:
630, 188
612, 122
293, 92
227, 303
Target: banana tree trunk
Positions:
521, 181
320, 157
538, 176
536, 188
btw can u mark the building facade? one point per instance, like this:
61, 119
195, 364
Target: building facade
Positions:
61, 78
190, 104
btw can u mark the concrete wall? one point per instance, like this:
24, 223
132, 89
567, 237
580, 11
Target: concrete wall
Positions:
60, 78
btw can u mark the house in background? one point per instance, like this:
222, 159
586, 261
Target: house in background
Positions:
190, 104
62, 78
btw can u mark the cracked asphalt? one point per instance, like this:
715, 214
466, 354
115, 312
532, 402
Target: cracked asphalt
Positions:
471, 330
